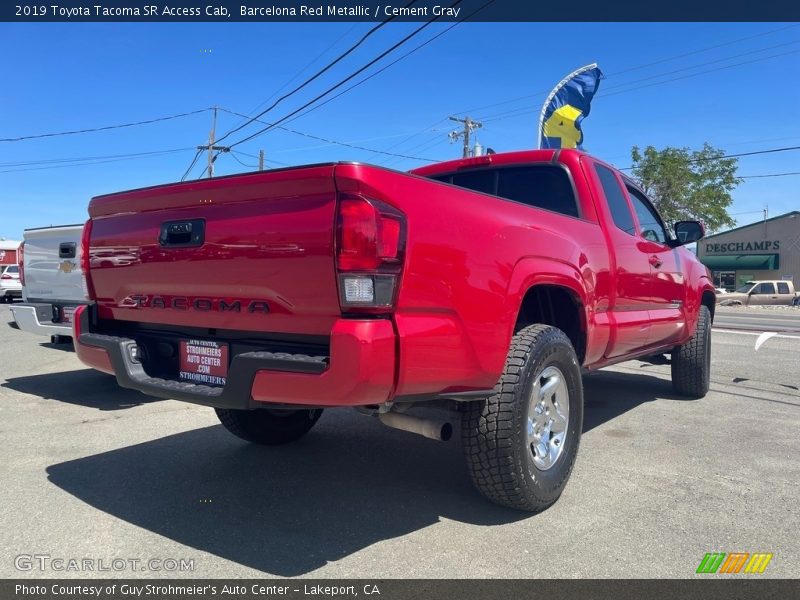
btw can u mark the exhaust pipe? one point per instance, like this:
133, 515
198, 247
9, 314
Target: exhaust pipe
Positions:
441, 431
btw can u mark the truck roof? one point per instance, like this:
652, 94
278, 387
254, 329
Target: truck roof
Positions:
504, 158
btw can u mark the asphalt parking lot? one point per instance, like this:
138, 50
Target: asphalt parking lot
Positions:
92, 471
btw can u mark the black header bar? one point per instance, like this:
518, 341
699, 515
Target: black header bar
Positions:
151, 11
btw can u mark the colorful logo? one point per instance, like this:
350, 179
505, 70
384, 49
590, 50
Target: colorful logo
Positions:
734, 562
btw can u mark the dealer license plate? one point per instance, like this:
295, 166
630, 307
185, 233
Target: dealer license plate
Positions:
204, 362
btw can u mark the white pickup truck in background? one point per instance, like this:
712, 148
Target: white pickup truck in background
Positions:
52, 281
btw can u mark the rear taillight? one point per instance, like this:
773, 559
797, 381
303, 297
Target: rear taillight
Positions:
21, 261
370, 245
6, 276
87, 279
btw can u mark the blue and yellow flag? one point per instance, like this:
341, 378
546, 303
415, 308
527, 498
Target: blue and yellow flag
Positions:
566, 106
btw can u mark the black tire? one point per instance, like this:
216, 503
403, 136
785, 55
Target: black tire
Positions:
495, 431
691, 362
268, 427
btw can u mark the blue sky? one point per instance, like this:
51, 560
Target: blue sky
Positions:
59, 77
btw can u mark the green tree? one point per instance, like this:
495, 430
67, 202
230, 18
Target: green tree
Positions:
688, 184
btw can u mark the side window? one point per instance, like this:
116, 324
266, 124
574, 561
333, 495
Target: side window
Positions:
783, 288
766, 288
479, 181
544, 186
651, 227
617, 203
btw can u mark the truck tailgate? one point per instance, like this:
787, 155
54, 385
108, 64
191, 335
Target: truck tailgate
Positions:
53, 264
246, 252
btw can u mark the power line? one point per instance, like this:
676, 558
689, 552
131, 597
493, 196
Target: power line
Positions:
701, 50
395, 61
343, 81
315, 75
45, 161
768, 151
424, 147
96, 160
745, 62
738, 155
277, 162
769, 175
429, 129
382, 69
107, 127
697, 66
191, 166
521, 111
233, 155
301, 71
329, 141
635, 68
356, 141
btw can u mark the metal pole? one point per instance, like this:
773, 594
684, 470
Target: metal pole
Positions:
469, 125
211, 137
260, 160
467, 129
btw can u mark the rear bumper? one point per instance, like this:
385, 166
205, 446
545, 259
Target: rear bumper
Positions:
359, 370
38, 318
11, 292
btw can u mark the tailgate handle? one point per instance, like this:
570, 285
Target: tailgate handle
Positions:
67, 250
182, 234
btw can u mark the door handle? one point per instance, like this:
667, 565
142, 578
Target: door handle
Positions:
67, 250
182, 234
655, 261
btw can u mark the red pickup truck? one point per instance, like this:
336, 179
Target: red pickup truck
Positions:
484, 285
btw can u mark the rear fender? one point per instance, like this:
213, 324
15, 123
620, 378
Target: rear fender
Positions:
539, 270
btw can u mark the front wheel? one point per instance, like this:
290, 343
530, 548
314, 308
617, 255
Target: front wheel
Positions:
521, 443
266, 426
691, 362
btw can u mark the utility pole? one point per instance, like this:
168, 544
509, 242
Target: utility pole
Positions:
210, 147
469, 127
260, 160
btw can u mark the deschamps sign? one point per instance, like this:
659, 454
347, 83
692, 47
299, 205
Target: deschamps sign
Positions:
742, 247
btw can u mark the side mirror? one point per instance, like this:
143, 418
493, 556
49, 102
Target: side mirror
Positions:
687, 232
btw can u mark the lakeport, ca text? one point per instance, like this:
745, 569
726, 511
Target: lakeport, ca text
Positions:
161, 589
322, 10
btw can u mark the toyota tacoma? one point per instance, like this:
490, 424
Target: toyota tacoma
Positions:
485, 286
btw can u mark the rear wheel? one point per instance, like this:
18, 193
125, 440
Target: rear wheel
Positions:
521, 443
267, 426
691, 362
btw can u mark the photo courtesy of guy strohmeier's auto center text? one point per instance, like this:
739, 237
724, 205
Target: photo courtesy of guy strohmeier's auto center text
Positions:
425, 300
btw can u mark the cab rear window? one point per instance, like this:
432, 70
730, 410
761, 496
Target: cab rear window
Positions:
542, 186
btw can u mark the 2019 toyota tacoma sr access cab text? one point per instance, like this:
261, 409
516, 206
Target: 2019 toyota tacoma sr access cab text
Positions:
484, 285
